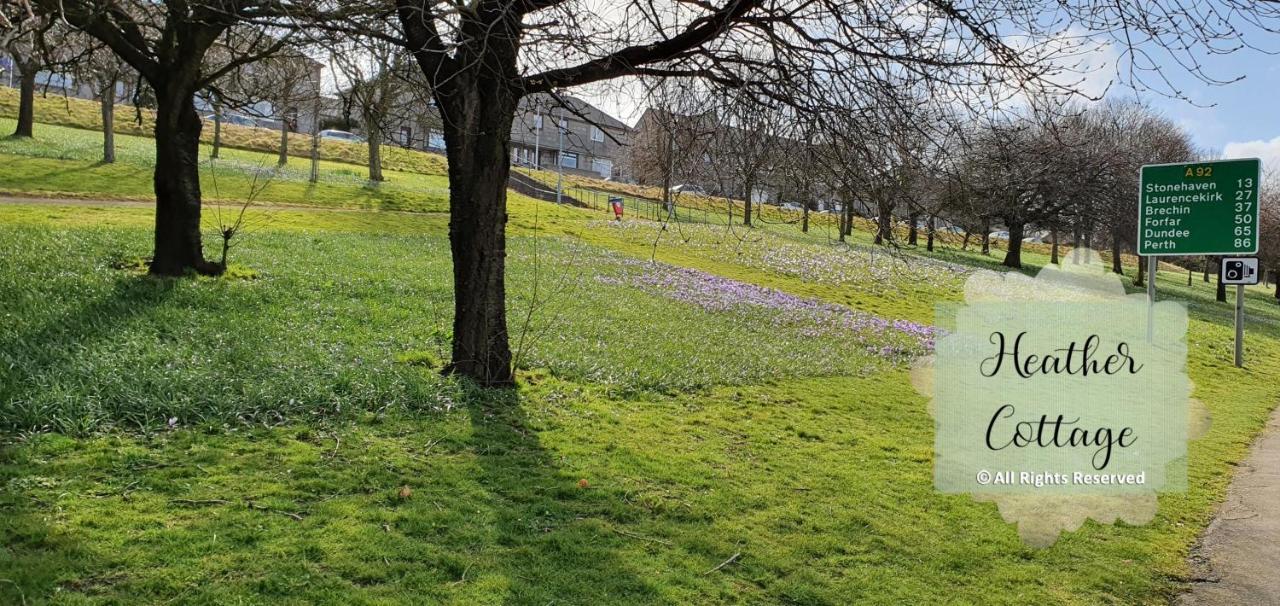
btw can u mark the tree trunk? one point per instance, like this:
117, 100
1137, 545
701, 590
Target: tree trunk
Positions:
884, 224
1076, 239
749, 186
848, 217
746, 206
1141, 278
217, 132
1053, 237
965, 244
315, 140
1116, 266
375, 152
913, 233
933, 232
804, 219
284, 143
1013, 257
108, 101
477, 132
986, 236
1278, 286
177, 186
1206, 269
26, 103
844, 218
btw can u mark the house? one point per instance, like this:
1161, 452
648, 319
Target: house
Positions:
589, 142
704, 150
274, 92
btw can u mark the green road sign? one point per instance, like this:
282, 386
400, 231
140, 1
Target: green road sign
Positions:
1199, 208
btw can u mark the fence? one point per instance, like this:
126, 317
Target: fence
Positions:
647, 208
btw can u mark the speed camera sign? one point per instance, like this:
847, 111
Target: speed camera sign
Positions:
1239, 270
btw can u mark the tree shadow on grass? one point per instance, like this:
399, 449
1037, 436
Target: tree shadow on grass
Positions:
54, 348
556, 534
35, 556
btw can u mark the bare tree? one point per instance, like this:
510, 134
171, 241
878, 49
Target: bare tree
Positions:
108, 77
372, 72
840, 155
286, 81
675, 140
27, 44
1135, 135
1269, 230
1033, 168
746, 148
172, 47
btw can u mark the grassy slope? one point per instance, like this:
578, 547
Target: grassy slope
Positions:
64, 162
82, 114
823, 484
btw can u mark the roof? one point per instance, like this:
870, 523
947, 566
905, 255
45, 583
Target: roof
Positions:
546, 103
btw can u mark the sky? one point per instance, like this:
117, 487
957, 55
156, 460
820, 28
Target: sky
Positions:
1240, 119
1236, 120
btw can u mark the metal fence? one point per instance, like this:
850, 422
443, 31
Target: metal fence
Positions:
646, 208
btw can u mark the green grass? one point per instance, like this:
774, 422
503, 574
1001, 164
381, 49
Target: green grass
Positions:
85, 115
64, 162
303, 397
323, 319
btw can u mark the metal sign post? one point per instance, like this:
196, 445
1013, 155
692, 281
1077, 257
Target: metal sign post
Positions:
1199, 208
1152, 262
1241, 271
1240, 326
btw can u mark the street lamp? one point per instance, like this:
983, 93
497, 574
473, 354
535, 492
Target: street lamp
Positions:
560, 160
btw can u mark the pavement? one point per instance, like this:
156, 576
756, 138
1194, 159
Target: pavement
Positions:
1237, 560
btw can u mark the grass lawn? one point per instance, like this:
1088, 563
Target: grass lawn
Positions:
280, 435
65, 162
86, 115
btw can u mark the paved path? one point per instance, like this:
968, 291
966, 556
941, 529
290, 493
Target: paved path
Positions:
1238, 558
54, 201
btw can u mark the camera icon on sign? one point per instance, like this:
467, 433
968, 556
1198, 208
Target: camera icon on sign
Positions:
1240, 271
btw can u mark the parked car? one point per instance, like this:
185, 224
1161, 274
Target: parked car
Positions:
790, 206
688, 189
236, 119
999, 235
341, 135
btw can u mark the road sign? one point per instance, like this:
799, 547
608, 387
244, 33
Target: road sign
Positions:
1241, 271
1199, 208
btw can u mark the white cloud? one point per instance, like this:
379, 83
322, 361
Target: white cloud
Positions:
1268, 151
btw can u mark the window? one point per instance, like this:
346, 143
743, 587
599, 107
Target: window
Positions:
537, 121
406, 136
602, 167
597, 135
568, 160
54, 80
435, 140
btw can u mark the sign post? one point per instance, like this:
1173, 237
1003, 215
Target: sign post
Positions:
1199, 208
1241, 271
